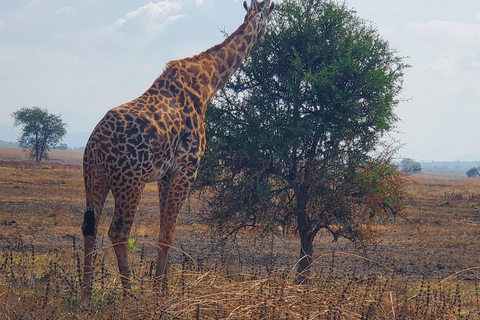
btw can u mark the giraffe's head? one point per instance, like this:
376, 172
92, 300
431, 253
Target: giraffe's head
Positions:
263, 9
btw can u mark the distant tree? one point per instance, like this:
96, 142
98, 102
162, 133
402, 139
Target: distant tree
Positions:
291, 136
40, 131
410, 166
473, 172
62, 146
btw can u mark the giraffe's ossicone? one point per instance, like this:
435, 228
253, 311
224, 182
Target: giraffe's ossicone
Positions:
158, 137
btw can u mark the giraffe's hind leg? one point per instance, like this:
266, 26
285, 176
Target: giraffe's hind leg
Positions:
127, 198
95, 202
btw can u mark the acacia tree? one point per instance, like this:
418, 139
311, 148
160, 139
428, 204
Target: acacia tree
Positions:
410, 166
291, 136
40, 131
473, 172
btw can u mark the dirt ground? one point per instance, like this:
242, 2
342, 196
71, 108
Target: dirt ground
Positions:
43, 206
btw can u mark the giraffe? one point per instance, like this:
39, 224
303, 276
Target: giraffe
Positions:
158, 137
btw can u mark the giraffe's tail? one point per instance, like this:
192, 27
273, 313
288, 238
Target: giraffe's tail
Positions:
88, 226
96, 189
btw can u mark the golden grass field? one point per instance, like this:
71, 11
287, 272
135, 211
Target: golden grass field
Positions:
425, 267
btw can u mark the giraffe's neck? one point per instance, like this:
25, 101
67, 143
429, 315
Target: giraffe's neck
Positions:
201, 76
228, 56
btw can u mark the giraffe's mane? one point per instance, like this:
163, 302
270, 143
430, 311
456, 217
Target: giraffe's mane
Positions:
216, 47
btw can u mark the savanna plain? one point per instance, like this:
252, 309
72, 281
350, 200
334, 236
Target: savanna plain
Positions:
425, 265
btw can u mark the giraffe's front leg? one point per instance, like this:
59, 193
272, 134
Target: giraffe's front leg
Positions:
172, 194
163, 191
120, 246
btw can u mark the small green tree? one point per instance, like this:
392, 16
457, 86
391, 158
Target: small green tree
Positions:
410, 166
473, 172
62, 146
40, 131
291, 136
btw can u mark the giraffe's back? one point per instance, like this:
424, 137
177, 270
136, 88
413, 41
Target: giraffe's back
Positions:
135, 141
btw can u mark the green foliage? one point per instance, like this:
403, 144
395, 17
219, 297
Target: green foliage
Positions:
473, 172
410, 166
62, 146
40, 130
292, 134
132, 246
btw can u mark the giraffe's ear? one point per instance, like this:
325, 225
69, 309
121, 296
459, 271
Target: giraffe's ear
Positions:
245, 5
272, 6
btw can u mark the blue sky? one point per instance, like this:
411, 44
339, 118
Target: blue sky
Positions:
81, 58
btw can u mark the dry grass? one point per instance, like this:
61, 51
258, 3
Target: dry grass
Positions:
46, 287
425, 270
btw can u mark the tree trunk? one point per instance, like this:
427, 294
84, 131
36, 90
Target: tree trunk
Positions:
37, 147
306, 252
306, 233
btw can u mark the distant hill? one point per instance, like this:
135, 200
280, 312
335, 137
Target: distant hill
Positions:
8, 134
468, 158
76, 140
449, 167
8, 144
